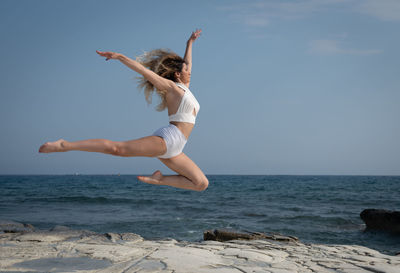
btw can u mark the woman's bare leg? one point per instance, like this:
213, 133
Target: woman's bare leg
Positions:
150, 146
190, 175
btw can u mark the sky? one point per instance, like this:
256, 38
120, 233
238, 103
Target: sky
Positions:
301, 87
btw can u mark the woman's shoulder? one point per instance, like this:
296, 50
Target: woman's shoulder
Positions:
180, 87
176, 91
183, 86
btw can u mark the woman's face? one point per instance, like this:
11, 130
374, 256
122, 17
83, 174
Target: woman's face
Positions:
184, 75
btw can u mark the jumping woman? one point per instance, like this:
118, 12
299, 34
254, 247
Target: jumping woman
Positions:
168, 74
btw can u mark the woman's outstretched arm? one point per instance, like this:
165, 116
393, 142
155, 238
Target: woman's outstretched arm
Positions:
188, 52
159, 82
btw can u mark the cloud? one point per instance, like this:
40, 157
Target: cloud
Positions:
261, 14
386, 10
257, 21
330, 47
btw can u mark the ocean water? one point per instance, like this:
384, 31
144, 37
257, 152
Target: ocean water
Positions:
316, 209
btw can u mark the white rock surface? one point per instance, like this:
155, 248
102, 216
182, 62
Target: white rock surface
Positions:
79, 251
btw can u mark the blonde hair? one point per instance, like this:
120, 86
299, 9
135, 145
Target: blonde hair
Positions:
164, 63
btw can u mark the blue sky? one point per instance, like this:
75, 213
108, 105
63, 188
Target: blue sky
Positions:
285, 87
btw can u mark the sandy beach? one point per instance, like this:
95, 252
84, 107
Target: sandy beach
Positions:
65, 250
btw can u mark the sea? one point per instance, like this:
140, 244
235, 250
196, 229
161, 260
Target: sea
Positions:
315, 209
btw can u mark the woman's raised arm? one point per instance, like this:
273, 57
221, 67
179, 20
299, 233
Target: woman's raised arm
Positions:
159, 82
188, 52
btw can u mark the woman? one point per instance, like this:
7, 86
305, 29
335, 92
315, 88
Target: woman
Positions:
169, 75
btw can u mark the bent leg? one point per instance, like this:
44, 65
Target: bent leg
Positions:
190, 175
149, 146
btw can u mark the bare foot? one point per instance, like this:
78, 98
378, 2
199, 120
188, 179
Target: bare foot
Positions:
155, 178
51, 147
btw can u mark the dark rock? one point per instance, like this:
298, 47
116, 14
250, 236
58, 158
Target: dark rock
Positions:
227, 235
114, 237
377, 219
8, 226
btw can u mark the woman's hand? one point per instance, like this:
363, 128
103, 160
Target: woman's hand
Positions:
109, 55
195, 35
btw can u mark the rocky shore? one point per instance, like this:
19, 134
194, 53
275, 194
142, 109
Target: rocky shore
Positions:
23, 249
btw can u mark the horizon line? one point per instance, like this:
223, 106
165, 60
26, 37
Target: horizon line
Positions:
126, 174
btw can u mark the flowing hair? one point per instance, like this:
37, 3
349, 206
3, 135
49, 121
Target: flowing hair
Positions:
164, 63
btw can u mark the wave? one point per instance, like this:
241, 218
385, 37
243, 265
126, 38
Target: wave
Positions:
252, 214
82, 199
315, 220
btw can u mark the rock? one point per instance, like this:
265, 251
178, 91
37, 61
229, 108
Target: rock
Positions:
53, 236
64, 264
131, 237
114, 237
385, 220
61, 250
8, 226
227, 235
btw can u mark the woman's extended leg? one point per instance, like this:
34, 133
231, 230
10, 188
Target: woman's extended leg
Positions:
150, 146
190, 175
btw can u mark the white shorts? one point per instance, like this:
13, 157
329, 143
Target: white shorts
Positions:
174, 139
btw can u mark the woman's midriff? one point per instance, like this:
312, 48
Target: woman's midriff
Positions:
184, 127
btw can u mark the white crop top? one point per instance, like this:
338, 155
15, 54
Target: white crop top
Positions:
186, 107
